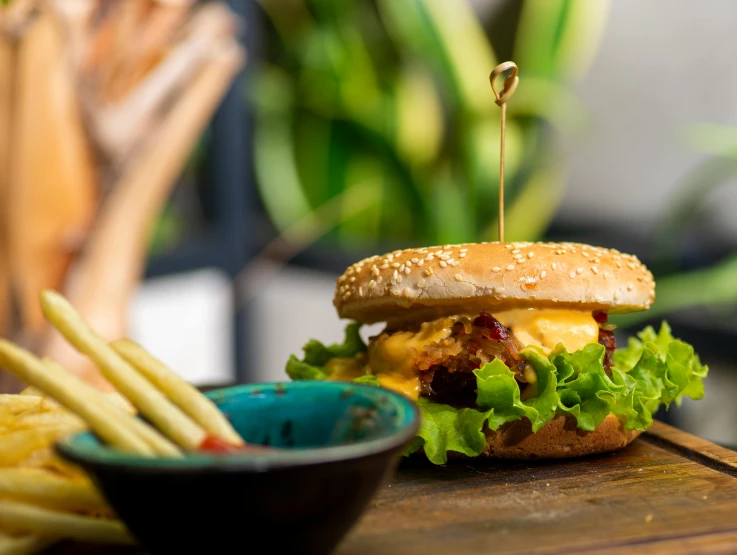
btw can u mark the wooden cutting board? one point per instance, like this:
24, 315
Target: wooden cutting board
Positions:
668, 492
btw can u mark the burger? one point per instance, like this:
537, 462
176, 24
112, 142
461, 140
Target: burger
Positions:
507, 347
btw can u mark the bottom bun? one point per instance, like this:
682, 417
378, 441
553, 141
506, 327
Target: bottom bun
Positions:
558, 439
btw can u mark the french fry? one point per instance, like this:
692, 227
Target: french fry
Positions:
156, 441
44, 488
23, 517
16, 404
57, 418
24, 545
201, 409
166, 416
77, 396
46, 459
122, 402
16, 446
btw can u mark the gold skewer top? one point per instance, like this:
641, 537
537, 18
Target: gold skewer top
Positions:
510, 85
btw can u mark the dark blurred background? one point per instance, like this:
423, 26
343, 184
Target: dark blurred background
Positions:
362, 126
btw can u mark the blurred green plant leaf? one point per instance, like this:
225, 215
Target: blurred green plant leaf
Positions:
715, 139
580, 35
419, 117
538, 34
710, 287
531, 212
449, 36
685, 207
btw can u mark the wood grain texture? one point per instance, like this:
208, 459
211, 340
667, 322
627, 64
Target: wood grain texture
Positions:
667, 493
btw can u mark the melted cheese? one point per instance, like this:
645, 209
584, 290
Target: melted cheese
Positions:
546, 328
392, 357
345, 369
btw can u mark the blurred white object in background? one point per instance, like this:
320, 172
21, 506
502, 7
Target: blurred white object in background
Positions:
186, 320
292, 307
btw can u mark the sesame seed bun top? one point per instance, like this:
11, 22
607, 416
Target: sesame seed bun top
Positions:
426, 283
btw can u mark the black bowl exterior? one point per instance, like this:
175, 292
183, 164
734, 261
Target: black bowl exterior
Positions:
305, 510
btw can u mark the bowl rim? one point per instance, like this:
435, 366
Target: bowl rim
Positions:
94, 456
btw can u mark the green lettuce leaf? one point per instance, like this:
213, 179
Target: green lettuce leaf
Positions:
444, 428
655, 369
584, 390
498, 390
368, 379
316, 355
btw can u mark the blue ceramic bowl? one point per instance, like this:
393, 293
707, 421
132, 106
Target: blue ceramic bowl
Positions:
340, 440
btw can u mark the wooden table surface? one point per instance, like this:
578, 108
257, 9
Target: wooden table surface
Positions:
667, 493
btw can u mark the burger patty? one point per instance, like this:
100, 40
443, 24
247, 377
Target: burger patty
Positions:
446, 368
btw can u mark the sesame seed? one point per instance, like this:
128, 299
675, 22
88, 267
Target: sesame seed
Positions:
454, 263
515, 251
640, 278
379, 279
543, 274
629, 287
428, 272
530, 254
584, 254
353, 278
496, 269
390, 257
445, 257
384, 266
430, 257
631, 265
510, 267
508, 246
421, 283
579, 271
360, 291
595, 269
407, 271
500, 289
414, 260
554, 266
596, 261
421, 262
395, 275
464, 250
402, 267
606, 275
372, 284
409, 263
462, 255
396, 264
458, 277
399, 279
517, 256
619, 264
439, 253
572, 275
443, 263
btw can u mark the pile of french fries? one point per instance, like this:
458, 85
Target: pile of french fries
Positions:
44, 499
